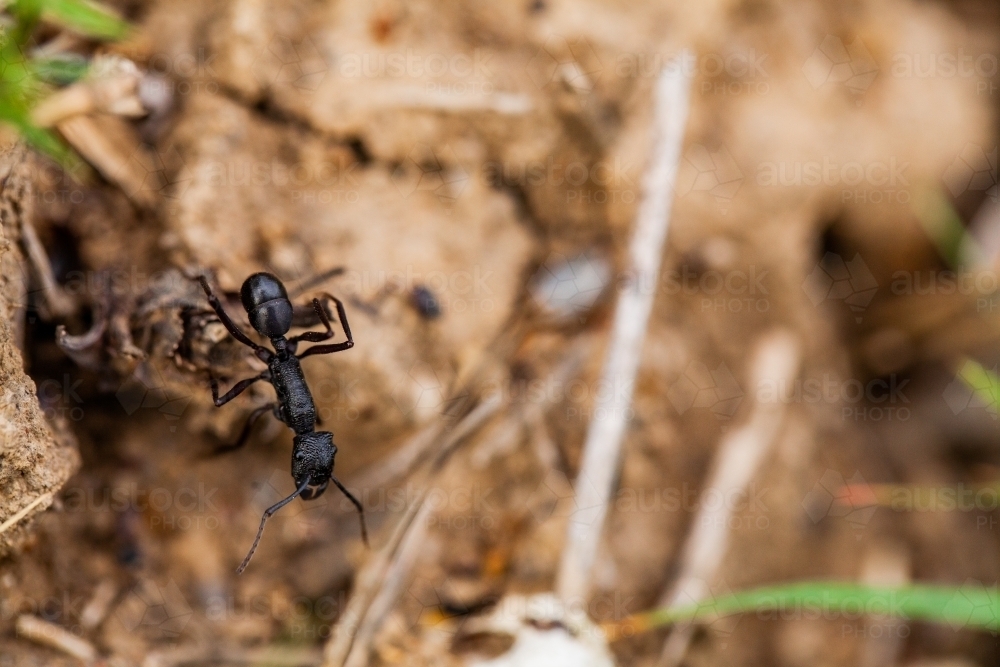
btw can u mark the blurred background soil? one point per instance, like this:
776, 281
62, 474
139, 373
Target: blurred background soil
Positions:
492, 154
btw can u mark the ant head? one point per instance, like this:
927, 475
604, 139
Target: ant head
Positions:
267, 305
312, 459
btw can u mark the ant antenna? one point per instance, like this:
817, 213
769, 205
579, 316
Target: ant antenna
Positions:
267, 514
357, 505
314, 281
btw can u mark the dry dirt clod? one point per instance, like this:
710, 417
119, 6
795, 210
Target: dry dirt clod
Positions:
34, 461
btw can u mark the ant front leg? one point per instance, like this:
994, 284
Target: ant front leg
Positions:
234, 330
335, 347
314, 336
237, 389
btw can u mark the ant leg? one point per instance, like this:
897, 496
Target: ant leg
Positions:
237, 389
315, 336
245, 433
335, 347
327, 349
233, 329
267, 515
357, 505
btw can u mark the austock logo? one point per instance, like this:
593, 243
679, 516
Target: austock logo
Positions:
59, 399
426, 170
150, 174
701, 387
308, 181
153, 610
146, 388
868, 182
974, 601
834, 279
574, 62
704, 596
972, 388
554, 497
877, 399
302, 618
834, 496
434, 607
297, 62
423, 392
711, 172
834, 62
973, 170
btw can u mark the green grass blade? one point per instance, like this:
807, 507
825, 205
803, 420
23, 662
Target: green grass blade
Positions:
970, 606
944, 227
60, 71
88, 18
26, 14
42, 139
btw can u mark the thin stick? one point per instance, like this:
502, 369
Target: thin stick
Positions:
95, 611
386, 472
775, 363
407, 458
51, 635
354, 617
887, 565
392, 582
109, 144
602, 448
508, 104
472, 421
382, 577
405, 557
6, 525
275, 655
58, 302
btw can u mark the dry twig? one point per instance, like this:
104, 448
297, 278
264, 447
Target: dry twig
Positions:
568, 634
602, 449
25, 511
775, 363
48, 634
382, 578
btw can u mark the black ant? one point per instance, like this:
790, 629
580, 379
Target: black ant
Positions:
271, 315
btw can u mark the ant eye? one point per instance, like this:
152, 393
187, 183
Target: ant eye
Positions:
299, 456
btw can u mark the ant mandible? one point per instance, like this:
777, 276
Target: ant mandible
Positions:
271, 314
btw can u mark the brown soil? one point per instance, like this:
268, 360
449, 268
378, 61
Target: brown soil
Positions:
469, 148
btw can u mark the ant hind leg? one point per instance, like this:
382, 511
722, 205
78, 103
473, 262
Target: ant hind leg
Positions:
244, 435
237, 389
